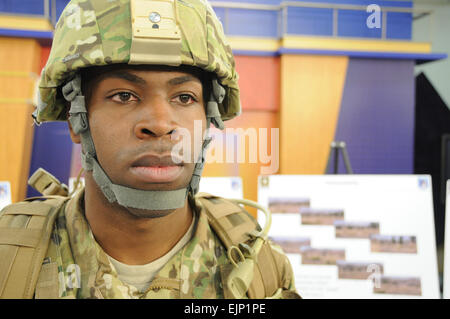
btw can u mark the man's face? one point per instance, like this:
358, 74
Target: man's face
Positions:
134, 115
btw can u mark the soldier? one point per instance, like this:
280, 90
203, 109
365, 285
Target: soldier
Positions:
129, 76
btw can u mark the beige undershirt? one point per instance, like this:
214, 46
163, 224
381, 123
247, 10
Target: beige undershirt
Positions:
141, 276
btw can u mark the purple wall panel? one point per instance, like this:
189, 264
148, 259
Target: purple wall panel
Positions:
52, 150
376, 119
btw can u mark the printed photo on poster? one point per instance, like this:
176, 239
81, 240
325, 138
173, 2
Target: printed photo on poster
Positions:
291, 245
321, 256
287, 205
351, 229
358, 270
393, 244
399, 286
317, 216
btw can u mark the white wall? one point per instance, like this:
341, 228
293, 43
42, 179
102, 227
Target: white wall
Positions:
436, 29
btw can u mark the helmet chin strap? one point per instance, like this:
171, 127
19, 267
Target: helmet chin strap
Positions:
126, 196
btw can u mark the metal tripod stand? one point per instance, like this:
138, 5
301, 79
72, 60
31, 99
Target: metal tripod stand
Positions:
333, 158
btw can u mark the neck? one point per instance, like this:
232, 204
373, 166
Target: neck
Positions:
130, 239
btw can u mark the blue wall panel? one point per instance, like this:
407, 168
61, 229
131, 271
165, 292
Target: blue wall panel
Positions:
353, 23
310, 21
396, 23
35, 7
301, 21
60, 5
22, 6
270, 2
52, 150
316, 22
389, 3
252, 23
376, 119
220, 12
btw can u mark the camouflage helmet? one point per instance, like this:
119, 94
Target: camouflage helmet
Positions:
166, 32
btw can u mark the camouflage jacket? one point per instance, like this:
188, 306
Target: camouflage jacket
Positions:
84, 270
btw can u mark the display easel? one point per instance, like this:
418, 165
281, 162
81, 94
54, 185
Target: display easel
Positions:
333, 158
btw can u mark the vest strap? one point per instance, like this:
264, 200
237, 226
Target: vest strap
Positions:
24, 238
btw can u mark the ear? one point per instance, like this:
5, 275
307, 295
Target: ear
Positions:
75, 138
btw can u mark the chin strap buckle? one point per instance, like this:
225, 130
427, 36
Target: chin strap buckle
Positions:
47, 184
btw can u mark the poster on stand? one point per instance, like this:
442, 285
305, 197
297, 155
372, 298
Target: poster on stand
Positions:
446, 282
5, 194
227, 187
355, 236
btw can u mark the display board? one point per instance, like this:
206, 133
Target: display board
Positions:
446, 285
5, 194
355, 236
228, 187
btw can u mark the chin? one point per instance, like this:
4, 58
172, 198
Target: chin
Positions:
145, 213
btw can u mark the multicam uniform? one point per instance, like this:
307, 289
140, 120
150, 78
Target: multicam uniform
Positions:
84, 270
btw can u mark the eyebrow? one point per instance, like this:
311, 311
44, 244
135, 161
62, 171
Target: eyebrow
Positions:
183, 79
133, 78
130, 77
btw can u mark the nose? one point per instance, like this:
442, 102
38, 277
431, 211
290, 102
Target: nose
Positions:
156, 119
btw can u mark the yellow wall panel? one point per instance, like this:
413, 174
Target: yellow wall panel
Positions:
16, 131
19, 55
16, 87
19, 64
345, 44
311, 93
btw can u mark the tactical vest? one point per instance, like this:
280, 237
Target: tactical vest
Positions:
25, 230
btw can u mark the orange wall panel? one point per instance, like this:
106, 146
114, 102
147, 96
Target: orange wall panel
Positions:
45, 53
259, 81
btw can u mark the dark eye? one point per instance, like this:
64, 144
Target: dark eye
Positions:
123, 97
186, 99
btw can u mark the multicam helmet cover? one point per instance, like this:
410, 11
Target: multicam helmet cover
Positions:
95, 33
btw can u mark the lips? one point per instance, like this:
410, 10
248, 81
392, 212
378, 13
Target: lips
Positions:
157, 169
155, 160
